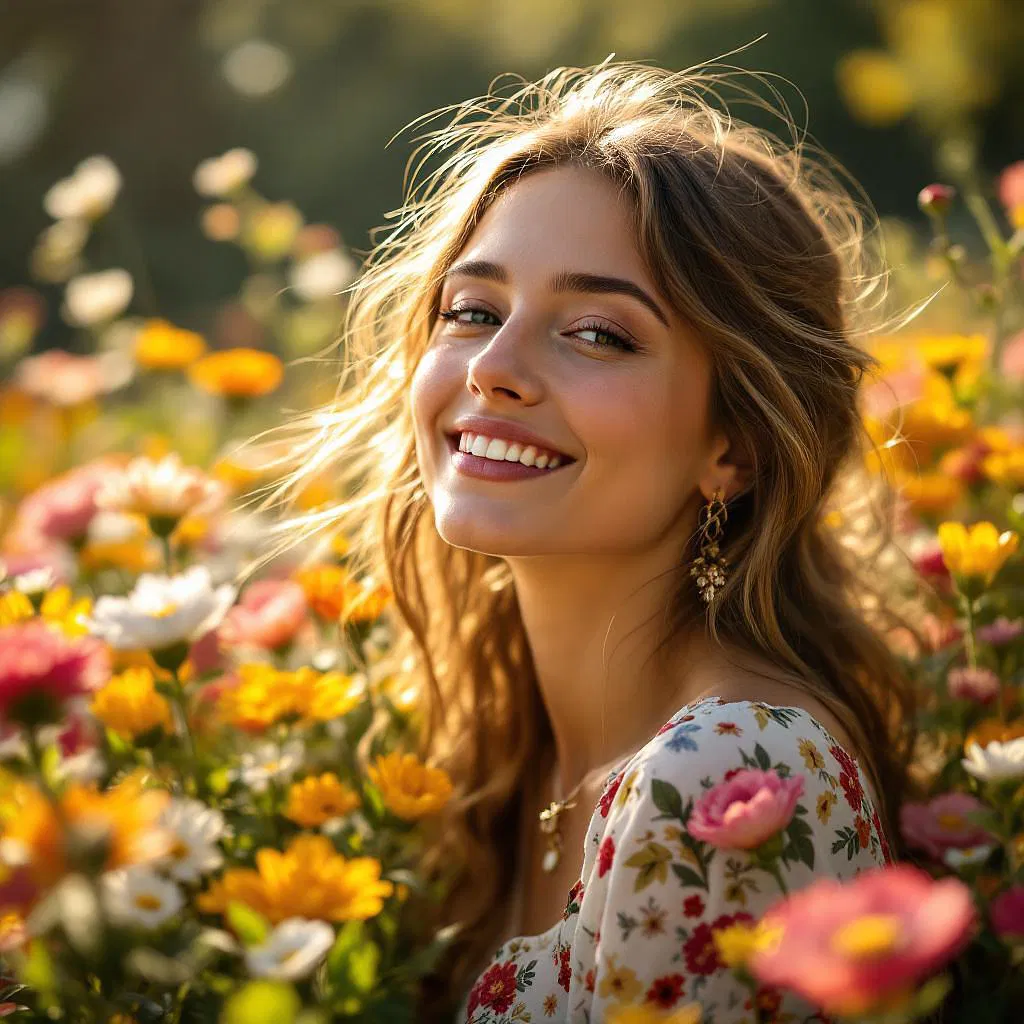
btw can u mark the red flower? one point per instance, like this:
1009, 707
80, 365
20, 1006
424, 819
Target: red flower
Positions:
731, 772
863, 831
608, 796
693, 906
575, 894
666, 992
564, 970
848, 777
588, 981
495, 990
886, 853
604, 856
700, 951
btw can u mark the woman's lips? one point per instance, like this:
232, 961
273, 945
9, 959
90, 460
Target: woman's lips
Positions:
482, 468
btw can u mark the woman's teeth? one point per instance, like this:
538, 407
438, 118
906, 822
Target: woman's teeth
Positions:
507, 451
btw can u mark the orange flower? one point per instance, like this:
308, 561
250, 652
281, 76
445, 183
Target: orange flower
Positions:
930, 493
315, 800
410, 788
237, 373
124, 819
309, 879
162, 346
992, 730
326, 587
130, 705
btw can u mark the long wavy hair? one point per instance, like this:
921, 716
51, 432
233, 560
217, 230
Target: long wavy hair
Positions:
760, 244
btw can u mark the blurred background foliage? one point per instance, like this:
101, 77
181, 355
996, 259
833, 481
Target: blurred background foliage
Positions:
901, 91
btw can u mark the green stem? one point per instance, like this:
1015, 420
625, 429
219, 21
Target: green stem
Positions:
185, 730
987, 224
168, 553
969, 641
773, 870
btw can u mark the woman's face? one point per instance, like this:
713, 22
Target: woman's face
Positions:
553, 341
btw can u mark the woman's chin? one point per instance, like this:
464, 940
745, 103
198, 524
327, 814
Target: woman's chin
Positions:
489, 537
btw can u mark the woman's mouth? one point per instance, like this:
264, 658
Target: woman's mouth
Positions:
492, 458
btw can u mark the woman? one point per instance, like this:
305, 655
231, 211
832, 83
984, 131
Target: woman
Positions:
598, 428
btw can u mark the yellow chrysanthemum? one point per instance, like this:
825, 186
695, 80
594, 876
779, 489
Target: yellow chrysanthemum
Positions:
58, 608
237, 373
1005, 468
874, 87
647, 1014
130, 705
410, 788
325, 587
979, 551
947, 351
309, 879
162, 346
127, 816
736, 943
317, 799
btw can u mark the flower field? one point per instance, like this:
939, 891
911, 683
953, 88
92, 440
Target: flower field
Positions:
211, 804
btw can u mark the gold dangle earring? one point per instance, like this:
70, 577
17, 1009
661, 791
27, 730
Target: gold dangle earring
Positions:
709, 566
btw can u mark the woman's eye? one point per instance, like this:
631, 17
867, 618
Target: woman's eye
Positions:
468, 315
598, 336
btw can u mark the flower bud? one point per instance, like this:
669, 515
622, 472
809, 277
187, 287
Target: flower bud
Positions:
936, 200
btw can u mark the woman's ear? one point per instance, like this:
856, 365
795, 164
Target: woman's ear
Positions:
729, 469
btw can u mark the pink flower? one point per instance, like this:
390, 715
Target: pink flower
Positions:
941, 824
64, 378
1012, 361
746, 810
936, 199
269, 615
848, 947
63, 507
1007, 913
1011, 185
979, 685
41, 669
1000, 632
205, 654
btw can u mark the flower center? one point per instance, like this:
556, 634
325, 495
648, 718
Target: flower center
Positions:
869, 936
147, 901
179, 850
950, 822
166, 612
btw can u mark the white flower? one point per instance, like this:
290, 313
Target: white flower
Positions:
36, 581
108, 527
162, 611
221, 175
96, 298
322, 275
996, 761
291, 951
164, 488
270, 761
195, 830
140, 896
968, 856
88, 193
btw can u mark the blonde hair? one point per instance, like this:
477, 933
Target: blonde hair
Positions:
761, 248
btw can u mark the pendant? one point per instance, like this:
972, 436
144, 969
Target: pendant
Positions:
551, 859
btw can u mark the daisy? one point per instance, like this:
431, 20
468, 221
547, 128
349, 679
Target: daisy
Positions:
996, 761
195, 830
139, 896
162, 611
291, 951
162, 489
268, 762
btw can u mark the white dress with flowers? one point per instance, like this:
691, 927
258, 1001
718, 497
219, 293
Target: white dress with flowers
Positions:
637, 926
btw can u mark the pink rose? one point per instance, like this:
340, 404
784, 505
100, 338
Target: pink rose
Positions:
849, 947
63, 507
269, 615
941, 824
1007, 913
746, 810
41, 669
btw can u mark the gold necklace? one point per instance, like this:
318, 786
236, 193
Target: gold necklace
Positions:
550, 817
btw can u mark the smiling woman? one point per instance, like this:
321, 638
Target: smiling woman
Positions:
600, 395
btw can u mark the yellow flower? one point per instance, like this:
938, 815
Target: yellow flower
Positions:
237, 373
980, 551
58, 608
271, 230
325, 587
309, 879
944, 352
930, 493
874, 87
646, 1014
315, 800
137, 555
811, 755
410, 788
130, 705
324, 697
826, 802
619, 983
162, 346
235, 474
1006, 468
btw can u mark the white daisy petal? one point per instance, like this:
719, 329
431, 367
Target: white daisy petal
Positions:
291, 951
995, 762
195, 830
139, 896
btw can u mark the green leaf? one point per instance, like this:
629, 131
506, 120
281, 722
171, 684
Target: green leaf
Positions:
38, 972
689, 877
349, 939
764, 762
249, 925
363, 964
667, 799
262, 1002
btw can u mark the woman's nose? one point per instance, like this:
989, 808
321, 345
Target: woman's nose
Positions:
505, 366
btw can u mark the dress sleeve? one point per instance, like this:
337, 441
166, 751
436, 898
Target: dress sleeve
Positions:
655, 893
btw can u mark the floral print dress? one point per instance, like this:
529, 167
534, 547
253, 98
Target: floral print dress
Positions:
637, 926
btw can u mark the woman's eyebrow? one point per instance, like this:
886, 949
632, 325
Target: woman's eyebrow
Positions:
565, 281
